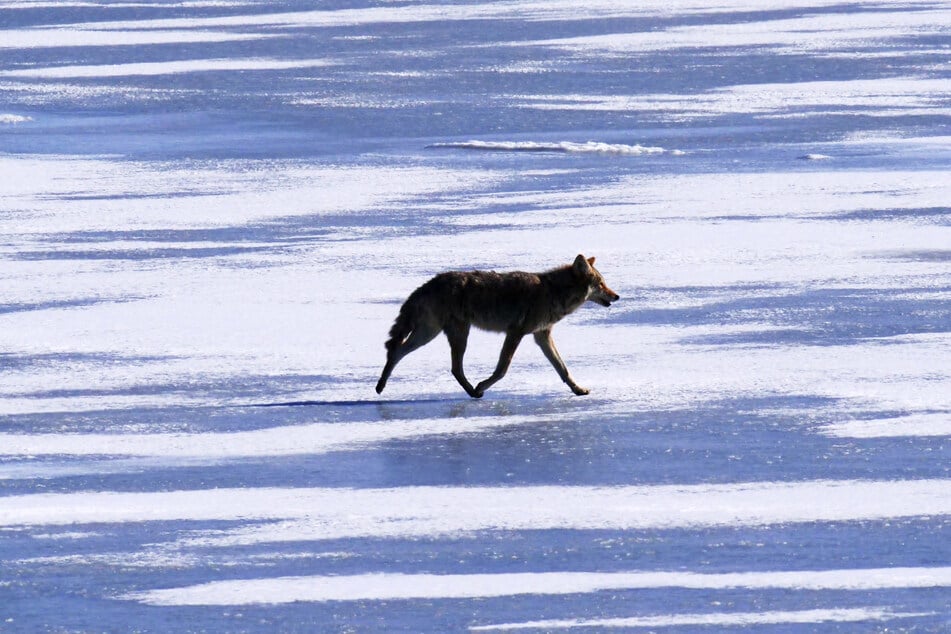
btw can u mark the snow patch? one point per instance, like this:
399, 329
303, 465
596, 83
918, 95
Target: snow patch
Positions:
590, 147
68, 535
817, 33
938, 424
14, 118
739, 619
165, 68
389, 587
337, 513
892, 96
92, 36
314, 438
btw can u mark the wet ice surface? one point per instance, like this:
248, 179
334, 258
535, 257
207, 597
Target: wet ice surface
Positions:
210, 214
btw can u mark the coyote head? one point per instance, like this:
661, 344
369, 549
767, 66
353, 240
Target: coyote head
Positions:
598, 291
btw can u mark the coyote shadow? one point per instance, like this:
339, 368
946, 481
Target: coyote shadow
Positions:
358, 403
427, 407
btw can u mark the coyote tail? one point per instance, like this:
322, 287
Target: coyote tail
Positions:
404, 324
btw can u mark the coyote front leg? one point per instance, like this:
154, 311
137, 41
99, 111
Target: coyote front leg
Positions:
545, 342
512, 339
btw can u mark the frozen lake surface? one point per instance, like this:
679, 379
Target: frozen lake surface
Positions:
211, 211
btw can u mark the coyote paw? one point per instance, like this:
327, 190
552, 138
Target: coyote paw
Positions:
580, 391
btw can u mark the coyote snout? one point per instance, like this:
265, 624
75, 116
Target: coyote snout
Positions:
603, 295
515, 303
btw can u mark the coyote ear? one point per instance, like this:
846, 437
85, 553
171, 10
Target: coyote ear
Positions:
591, 260
581, 265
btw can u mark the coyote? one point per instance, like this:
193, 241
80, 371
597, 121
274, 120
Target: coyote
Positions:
515, 303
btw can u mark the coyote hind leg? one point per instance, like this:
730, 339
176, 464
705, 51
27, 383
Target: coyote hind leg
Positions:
457, 332
421, 335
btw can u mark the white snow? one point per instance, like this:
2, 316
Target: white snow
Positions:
781, 299
314, 513
737, 619
931, 424
885, 97
183, 321
52, 37
390, 587
165, 68
315, 438
589, 147
184, 4
822, 33
825, 31
915, 15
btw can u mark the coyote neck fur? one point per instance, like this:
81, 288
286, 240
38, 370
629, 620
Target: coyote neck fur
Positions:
566, 293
